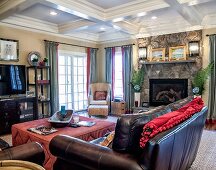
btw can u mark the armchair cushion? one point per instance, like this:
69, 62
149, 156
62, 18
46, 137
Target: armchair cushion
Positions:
100, 95
98, 102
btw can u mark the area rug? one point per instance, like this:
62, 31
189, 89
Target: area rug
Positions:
206, 156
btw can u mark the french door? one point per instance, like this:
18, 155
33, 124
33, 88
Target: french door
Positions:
72, 80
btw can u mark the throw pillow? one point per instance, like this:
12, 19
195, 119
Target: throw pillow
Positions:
108, 140
100, 95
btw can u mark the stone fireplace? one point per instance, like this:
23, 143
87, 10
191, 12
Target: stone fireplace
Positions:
170, 70
165, 91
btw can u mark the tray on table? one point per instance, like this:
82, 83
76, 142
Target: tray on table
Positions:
58, 120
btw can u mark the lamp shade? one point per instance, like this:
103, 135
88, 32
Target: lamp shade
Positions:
193, 48
142, 52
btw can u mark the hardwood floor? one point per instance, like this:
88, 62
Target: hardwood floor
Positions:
210, 127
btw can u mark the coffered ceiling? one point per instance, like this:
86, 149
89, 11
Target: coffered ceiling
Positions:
102, 21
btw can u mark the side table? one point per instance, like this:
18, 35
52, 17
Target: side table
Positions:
118, 108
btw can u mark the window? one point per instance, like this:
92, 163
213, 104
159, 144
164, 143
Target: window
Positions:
72, 80
118, 86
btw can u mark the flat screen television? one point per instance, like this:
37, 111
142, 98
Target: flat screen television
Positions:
12, 79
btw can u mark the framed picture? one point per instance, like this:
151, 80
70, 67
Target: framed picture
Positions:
9, 50
177, 53
158, 54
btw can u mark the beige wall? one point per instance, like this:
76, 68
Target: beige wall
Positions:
101, 56
206, 58
33, 41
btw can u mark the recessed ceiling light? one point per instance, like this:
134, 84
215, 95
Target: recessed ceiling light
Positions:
191, 3
141, 14
53, 13
118, 19
102, 28
153, 17
116, 27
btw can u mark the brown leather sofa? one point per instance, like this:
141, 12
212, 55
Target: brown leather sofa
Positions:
174, 149
32, 152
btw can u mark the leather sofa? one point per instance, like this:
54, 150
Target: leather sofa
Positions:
173, 149
32, 152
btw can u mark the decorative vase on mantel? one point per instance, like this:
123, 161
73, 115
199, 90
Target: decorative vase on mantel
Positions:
137, 99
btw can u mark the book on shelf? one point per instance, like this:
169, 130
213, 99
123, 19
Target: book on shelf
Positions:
43, 130
42, 81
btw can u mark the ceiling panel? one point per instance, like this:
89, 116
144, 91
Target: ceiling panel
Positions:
109, 3
206, 8
42, 12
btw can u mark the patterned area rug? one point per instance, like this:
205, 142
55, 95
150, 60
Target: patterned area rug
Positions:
206, 156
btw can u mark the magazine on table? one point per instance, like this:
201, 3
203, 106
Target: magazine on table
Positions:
43, 130
86, 123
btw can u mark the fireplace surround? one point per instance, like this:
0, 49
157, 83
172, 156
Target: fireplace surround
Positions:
165, 91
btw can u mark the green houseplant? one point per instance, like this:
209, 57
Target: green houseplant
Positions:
200, 78
45, 60
137, 81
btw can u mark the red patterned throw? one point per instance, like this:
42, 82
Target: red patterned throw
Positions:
169, 120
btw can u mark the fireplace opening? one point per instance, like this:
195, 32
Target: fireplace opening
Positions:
165, 91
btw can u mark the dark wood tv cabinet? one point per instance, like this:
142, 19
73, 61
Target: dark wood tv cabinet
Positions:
16, 109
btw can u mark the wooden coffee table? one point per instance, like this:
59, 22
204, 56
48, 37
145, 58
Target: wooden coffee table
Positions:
20, 135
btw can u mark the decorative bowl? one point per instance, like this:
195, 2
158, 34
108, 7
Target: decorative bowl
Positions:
59, 120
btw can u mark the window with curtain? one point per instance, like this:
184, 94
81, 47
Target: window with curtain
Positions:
118, 79
72, 80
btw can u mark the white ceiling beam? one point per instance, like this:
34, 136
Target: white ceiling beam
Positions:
188, 13
74, 26
77, 8
135, 8
127, 27
11, 7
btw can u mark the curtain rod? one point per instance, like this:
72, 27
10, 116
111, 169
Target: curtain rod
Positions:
207, 35
119, 46
70, 44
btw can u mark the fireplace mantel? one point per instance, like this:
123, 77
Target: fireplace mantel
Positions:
168, 62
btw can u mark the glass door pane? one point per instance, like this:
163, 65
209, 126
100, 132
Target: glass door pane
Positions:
72, 81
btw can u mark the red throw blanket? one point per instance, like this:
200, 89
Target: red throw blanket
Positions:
169, 120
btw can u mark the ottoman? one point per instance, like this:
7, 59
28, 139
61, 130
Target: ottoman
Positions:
98, 110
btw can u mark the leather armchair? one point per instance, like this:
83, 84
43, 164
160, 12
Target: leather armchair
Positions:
32, 152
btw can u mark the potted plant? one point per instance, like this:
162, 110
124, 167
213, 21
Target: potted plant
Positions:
45, 60
137, 81
35, 61
199, 80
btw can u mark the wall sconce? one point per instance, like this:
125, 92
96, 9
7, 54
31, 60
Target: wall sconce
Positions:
142, 53
193, 47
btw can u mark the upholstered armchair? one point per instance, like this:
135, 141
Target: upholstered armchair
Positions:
99, 99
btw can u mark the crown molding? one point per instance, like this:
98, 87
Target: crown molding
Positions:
28, 22
78, 7
46, 28
135, 8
